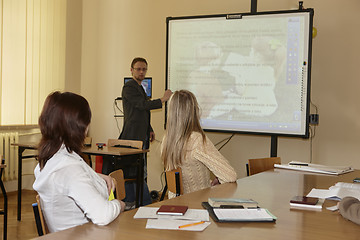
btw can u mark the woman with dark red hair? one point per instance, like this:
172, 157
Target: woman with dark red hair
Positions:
71, 192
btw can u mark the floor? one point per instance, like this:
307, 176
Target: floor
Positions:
25, 229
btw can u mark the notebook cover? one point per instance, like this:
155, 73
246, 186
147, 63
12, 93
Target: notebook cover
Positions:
212, 214
210, 209
227, 202
172, 210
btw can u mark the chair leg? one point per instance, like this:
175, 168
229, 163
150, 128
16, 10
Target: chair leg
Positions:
5, 208
5, 215
163, 193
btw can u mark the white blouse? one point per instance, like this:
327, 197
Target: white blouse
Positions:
72, 193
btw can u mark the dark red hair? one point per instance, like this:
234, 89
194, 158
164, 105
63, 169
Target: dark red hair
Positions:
63, 120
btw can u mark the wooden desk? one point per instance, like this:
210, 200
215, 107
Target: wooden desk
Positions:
105, 151
21, 148
272, 189
118, 152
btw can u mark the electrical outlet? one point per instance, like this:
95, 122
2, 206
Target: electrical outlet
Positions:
314, 119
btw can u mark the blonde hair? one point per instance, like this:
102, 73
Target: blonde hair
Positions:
183, 118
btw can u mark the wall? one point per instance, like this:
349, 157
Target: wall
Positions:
73, 45
114, 31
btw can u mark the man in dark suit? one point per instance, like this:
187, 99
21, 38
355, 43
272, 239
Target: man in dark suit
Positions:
136, 107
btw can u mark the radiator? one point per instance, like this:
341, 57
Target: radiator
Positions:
10, 154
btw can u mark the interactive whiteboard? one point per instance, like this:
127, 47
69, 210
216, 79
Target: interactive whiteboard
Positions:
249, 72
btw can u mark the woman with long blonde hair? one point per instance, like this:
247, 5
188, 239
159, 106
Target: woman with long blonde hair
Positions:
186, 146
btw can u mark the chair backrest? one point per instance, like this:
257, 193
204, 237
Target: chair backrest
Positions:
122, 142
174, 181
258, 165
39, 218
118, 176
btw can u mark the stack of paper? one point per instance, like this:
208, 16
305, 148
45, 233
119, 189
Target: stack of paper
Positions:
337, 192
317, 168
194, 219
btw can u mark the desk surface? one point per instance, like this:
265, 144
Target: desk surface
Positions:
272, 190
27, 145
114, 151
94, 150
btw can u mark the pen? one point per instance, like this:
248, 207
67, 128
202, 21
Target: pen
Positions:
231, 206
299, 164
191, 224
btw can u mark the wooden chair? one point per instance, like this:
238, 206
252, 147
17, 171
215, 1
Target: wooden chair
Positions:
119, 180
5, 210
39, 218
258, 165
174, 181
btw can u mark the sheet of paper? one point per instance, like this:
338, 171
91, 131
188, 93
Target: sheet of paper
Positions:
335, 193
348, 185
333, 208
173, 224
315, 168
242, 214
191, 214
322, 193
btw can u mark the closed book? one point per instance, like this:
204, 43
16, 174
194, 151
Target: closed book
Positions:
232, 202
172, 210
307, 204
304, 200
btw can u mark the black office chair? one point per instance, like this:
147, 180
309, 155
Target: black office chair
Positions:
5, 210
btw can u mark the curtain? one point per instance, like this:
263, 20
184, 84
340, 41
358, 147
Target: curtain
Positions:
32, 59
